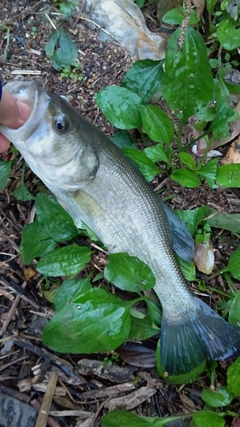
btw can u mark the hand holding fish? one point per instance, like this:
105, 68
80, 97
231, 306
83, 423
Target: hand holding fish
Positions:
13, 113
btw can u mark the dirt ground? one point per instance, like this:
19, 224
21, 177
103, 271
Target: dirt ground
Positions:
82, 388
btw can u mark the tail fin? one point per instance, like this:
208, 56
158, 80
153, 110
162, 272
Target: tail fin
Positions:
202, 335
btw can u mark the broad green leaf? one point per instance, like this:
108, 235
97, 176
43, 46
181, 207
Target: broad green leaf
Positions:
186, 178
142, 329
64, 261
56, 221
154, 310
177, 15
206, 114
128, 419
5, 170
128, 273
228, 34
94, 321
229, 175
208, 418
61, 50
234, 313
144, 78
224, 115
35, 242
121, 106
148, 169
187, 84
233, 265
157, 124
124, 139
217, 399
193, 217
233, 375
158, 153
22, 193
226, 221
188, 160
209, 171
69, 289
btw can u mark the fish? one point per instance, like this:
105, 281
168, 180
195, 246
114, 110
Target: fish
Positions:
99, 186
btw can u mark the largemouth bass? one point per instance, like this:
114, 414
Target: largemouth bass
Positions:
98, 185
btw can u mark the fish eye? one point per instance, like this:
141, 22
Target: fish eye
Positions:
60, 124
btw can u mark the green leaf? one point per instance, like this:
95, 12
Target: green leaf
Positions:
158, 153
177, 15
188, 83
209, 171
193, 217
157, 124
61, 50
208, 418
228, 34
186, 178
121, 106
69, 290
94, 321
217, 399
233, 265
142, 329
143, 163
5, 170
127, 419
22, 193
144, 78
234, 313
67, 7
56, 221
206, 114
35, 242
224, 115
188, 269
124, 139
64, 261
226, 221
229, 175
188, 160
233, 375
128, 273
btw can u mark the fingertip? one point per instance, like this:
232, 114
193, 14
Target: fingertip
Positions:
4, 144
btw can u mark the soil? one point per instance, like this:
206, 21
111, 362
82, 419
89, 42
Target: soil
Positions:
26, 366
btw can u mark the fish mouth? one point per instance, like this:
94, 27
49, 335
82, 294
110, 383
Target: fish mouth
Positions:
32, 94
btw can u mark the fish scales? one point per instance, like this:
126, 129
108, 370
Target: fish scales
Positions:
98, 185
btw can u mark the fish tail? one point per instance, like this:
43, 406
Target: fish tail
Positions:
199, 335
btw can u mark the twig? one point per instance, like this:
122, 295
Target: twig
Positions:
42, 418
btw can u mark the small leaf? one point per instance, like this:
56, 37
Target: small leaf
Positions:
22, 193
94, 321
35, 242
148, 169
157, 124
233, 375
233, 265
226, 221
142, 329
144, 78
177, 15
128, 273
5, 170
208, 418
209, 171
64, 261
55, 220
188, 269
121, 106
229, 175
128, 419
61, 50
234, 313
217, 399
69, 289
187, 84
158, 153
228, 34
186, 178
188, 160
193, 217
